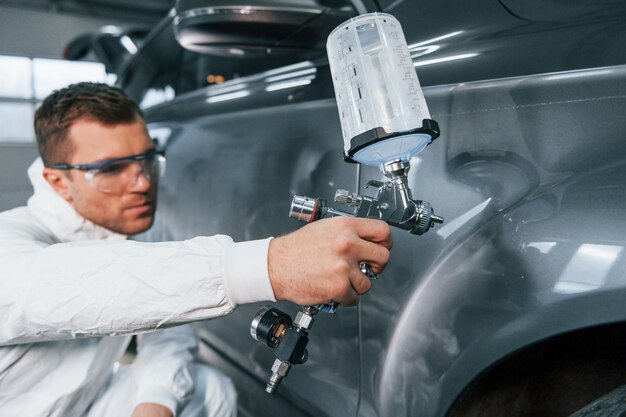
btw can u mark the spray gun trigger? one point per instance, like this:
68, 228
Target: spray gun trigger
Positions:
367, 271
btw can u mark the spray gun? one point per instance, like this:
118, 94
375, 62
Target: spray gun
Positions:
385, 122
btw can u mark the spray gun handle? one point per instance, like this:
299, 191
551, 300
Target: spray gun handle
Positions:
310, 209
274, 328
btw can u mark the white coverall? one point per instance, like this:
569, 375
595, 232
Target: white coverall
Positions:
66, 282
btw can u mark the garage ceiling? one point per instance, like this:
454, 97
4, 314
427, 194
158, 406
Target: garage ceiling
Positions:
141, 12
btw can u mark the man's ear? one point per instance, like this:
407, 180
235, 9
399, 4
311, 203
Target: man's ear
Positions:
59, 182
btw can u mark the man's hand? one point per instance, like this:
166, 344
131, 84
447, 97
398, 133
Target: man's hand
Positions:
152, 410
320, 263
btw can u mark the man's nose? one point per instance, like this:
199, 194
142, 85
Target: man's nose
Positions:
141, 179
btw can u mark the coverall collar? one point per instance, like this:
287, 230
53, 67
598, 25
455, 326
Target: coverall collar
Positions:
58, 216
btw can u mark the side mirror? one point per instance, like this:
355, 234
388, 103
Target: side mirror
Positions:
261, 28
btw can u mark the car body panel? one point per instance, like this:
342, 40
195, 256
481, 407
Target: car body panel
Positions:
506, 269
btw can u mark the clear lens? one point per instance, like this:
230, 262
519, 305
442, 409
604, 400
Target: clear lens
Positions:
117, 177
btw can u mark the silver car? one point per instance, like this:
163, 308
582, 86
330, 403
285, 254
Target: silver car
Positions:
516, 304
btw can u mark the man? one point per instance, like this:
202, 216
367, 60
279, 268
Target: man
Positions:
69, 276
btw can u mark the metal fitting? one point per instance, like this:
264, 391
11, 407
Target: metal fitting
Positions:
280, 370
303, 320
303, 208
346, 197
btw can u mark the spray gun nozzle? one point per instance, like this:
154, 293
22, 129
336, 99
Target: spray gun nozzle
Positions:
436, 219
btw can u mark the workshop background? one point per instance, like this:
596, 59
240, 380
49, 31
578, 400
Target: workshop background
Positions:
33, 36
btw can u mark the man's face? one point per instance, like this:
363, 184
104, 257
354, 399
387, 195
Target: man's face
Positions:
128, 212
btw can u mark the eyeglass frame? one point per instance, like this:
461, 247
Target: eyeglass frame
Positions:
96, 166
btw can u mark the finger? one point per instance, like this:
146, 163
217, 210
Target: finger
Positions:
342, 290
351, 299
359, 281
373, 230
389, 242
373, 254
377, 269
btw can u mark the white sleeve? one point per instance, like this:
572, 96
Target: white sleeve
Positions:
95, 288
162, 367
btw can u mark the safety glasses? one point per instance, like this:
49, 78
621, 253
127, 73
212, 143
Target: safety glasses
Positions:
117, 174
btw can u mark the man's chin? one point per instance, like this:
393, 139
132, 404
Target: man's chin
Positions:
135, 226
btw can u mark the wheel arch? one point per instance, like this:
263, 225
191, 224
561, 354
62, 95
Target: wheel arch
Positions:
555, 375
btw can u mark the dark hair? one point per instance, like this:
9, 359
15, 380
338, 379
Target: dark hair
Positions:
92, 101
